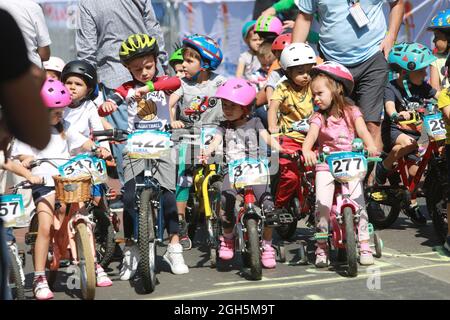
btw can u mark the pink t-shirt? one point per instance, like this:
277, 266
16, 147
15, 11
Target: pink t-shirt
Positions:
336, 134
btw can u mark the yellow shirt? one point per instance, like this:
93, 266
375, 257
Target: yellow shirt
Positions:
294, 106
444, 101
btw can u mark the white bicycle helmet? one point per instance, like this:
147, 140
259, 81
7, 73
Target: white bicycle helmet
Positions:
54, 64
297, 54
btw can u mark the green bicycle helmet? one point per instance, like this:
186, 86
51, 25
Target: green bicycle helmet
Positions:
410, 56
177, 56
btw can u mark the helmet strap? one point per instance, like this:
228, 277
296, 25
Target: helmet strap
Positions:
405, 86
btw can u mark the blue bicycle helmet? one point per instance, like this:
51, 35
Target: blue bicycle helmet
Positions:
410, 56
440, 21
247, 27
208, 48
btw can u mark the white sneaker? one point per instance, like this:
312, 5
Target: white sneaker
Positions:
174, 257
129, 263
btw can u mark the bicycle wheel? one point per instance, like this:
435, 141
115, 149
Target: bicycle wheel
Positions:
146, 241
287, 231
214, 224
85, 262
253, 249
380, 215
104, 237
15, 277
350, 242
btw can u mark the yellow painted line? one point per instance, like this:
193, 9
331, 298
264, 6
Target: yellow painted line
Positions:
438, 258
314, 297
288, 284
264, 279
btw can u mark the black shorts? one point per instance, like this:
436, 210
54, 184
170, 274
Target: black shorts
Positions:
40, 192
370, 81
390, 133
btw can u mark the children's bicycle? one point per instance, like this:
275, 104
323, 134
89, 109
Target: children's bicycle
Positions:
345, 213
403, 188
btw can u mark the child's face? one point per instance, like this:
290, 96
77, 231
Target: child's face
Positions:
300, 74
440, 41
254, 41
418, 77
277, 54
143, 69
77, 88
191, 67
266, 62
53, 74
231, 111
56, 115
321, 93
179, 71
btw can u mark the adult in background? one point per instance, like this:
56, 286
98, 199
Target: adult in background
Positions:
30, 18
362, 45
104, 24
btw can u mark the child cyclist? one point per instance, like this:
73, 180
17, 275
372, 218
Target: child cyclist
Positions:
53, 67
440, 26
401, 96
444, 106
248, 61
202, 56
139, 53
291, 102
240, 135
176, 62
335, 126
56, 97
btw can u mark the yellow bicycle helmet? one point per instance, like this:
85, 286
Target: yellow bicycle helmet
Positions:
138, 45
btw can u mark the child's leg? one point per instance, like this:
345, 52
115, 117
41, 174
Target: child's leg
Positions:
404, 144
227, 216
44, 211
289, 181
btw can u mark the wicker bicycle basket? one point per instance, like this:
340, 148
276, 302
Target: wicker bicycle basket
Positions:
73, 190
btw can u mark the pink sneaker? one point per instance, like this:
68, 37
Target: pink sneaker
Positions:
268, 257
102, 278
41, 290
365, 254
226, 250
322, 255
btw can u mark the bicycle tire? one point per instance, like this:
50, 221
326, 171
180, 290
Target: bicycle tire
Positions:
380, 222
86, 262
146, 242
104, 238
215, 203
253, 248
15, 278
350, 242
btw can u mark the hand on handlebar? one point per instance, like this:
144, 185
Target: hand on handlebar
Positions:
107, 108
177, 125
373, 151
36, 180
310, 157
274, 129
203, 157
27, 162
103, 153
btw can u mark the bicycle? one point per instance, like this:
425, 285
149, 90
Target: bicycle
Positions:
345, 213
207, 186
148, 145
302, 204
404, 188
73, 238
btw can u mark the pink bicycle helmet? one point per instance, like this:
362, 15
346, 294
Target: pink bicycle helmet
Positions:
336, 71
269, 24
238, 91
54, 94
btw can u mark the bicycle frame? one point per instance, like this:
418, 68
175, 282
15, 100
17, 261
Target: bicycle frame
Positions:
248, 210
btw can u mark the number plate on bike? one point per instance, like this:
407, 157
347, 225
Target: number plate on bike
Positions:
207, 135
85, 164
12, 210
347, 166
435, 126
248, 172
148, 144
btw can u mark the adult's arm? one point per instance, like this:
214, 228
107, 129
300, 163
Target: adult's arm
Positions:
154, 29
86, 36
280, 6
395, 21
43, 36
44, 53
302, 27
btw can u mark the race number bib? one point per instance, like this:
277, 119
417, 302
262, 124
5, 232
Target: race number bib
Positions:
248, 172
83, 165
347, 166
207, 135
12, 210
148, 144
435, 126
301, 126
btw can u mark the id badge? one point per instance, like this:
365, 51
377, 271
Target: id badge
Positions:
358, 14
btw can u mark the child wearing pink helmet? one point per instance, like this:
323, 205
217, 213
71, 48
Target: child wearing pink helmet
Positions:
239, 133
56, 97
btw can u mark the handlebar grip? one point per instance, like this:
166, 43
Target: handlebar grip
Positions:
108, 133
34, 164
374, 159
